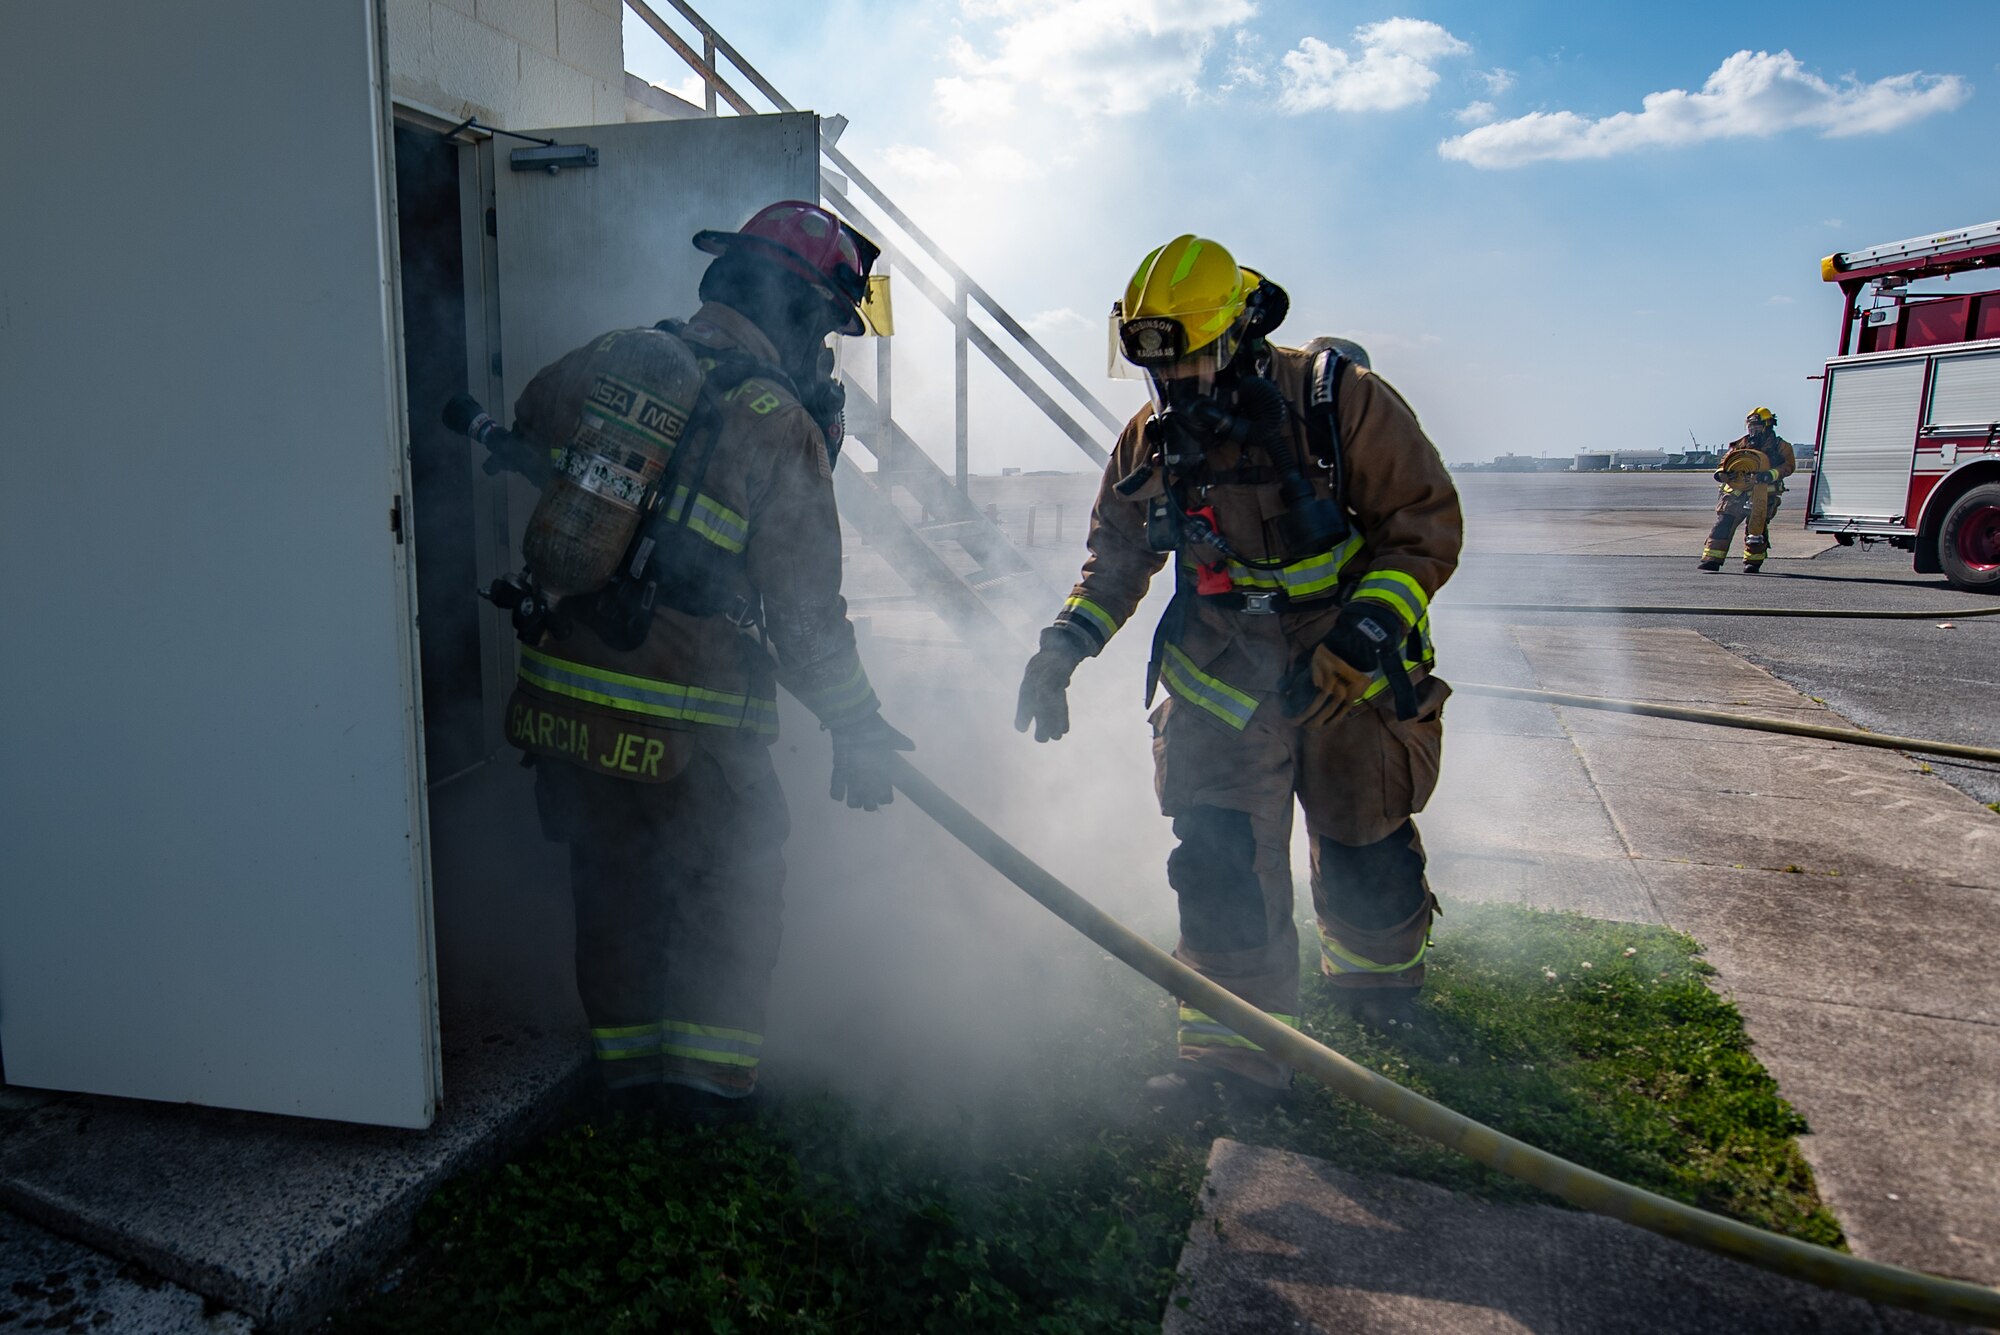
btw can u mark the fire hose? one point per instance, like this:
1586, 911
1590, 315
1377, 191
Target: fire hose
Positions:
1858, 614
1582, 1187
1852, 736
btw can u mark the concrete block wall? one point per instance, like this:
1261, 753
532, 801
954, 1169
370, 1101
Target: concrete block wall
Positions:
512, 63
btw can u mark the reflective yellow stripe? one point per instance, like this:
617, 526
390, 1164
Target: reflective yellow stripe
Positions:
1189, 683
646, 696
1398, 590
710, 1043
851, 695
1344, 960
1301, 579
711, 519
638, 1040
1200, 1030
1095, 615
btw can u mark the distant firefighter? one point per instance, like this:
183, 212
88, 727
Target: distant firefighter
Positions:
1753, 473
1308, 521
695, 456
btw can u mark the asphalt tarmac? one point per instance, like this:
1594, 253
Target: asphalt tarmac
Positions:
1913, 678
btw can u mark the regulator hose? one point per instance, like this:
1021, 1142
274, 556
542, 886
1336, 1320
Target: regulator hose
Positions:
1854, 736
1876, 614
1581, 1187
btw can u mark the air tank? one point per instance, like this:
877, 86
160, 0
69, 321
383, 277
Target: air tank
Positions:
641, 385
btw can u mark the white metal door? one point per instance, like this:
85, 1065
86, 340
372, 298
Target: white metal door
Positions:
213, 883
1868, 441
590, 249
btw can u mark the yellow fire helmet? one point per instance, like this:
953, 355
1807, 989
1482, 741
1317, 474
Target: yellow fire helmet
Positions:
1764, 415
1184, 310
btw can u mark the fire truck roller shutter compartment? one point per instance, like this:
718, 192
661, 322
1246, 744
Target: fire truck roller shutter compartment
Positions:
1868, 439
1965, 394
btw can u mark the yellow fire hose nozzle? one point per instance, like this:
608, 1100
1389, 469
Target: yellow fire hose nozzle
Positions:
1581, 1187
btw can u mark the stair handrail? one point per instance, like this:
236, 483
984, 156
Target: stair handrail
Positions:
965, 287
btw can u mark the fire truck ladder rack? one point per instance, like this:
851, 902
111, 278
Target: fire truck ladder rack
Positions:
989, 605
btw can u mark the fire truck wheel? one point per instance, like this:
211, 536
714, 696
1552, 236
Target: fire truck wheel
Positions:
1969, 541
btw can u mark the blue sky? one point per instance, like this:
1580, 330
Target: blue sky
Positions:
1543, 243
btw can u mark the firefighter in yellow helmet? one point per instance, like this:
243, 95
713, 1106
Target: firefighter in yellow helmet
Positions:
1754, 468
649, 705
1309, 522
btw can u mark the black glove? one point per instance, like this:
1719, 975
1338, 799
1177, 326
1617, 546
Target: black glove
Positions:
1044, 698
1721, 476
1363, 631
1768, 475
861, 762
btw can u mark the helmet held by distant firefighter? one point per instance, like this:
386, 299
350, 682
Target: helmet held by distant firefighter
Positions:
619, 528
1198, 324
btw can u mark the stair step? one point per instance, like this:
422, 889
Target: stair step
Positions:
983, 580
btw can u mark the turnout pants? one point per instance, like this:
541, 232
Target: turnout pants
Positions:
1738, 507
1231, 794
678, 895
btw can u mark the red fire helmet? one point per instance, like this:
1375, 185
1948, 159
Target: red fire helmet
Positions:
806, 240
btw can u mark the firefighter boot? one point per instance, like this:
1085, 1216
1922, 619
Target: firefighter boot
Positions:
1193, 1092
1708, 565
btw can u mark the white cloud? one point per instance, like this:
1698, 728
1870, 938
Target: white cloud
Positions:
1056, 321
1476, 113
1751, 94
1104, 57
1497, 80
1393, 69
912, 163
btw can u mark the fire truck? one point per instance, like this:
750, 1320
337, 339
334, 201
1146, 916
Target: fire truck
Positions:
1909, 417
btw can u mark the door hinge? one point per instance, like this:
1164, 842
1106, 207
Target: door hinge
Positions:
396, 519
492, 223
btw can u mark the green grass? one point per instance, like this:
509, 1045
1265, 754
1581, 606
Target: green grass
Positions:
1054, 1212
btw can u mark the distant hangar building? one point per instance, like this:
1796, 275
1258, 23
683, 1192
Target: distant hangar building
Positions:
1598, 461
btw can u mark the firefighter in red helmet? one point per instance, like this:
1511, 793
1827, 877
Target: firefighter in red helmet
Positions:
649, 706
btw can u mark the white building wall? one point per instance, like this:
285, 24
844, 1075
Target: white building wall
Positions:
512, 63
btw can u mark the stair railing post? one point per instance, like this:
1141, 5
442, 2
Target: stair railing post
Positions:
959, 322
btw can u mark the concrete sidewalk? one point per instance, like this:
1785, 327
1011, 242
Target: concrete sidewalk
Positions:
1290, 1243
1846, 899
198, 1219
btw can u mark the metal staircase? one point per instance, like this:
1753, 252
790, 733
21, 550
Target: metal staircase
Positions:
919, 516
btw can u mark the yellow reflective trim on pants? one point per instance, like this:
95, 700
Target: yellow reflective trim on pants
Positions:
1188, 682
710, 1043
1200, 1030
648, 697
1094, 614
1344, 960
622, 1044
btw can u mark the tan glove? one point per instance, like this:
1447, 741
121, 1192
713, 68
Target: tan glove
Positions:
1323, 688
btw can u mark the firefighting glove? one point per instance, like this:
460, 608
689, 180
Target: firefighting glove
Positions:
1723, 476
861, 755
1366, 637
1044, 699
1768, 475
